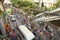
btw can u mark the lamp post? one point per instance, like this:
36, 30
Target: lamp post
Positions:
39, 3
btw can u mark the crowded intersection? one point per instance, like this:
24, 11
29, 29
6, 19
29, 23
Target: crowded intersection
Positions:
16, 24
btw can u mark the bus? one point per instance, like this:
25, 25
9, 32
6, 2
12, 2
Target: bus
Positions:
26, 32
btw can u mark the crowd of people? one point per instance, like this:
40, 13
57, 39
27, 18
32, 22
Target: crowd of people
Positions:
40, 29
44, 30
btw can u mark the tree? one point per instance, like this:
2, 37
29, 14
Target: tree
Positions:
58, 3
26, 5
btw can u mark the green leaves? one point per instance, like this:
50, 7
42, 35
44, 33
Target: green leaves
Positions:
27, 5
21, 3
1, 11
58, 3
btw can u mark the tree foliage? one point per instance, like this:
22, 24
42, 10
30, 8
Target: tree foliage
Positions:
22, 3
1, 11
58, 3
27, 5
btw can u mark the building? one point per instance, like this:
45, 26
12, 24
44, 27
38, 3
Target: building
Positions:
47, 3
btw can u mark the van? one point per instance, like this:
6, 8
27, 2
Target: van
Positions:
26, 32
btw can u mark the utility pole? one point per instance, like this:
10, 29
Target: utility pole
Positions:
39, 3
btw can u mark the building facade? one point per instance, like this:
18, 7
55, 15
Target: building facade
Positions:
47, 3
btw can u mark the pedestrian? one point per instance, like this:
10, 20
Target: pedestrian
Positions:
7, 28
39, 38
51, 36
47, 33
35, 32
38, 30
46, 27
12, 35
41, 32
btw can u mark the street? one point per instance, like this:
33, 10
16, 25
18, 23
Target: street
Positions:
40, 27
